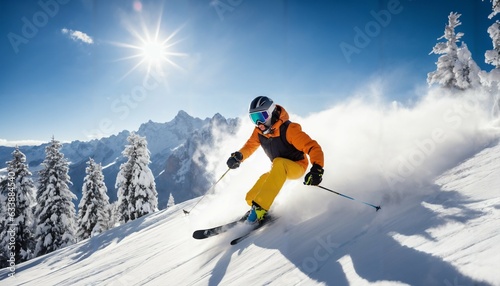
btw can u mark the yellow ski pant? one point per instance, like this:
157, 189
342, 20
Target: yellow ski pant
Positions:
269, 184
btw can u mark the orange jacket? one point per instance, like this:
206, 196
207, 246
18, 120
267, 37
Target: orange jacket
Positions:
294, 135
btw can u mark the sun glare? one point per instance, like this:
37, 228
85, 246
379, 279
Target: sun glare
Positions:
153, 52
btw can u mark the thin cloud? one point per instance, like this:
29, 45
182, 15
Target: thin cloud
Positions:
78, 36
7, 143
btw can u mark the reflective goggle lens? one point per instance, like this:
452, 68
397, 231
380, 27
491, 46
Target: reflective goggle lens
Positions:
259, 117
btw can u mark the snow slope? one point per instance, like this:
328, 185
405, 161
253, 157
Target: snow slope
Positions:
434, 168
450, 238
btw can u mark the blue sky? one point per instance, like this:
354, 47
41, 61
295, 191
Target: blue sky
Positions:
78, 69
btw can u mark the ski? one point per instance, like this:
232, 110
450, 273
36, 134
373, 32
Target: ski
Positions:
209, 232
266, 221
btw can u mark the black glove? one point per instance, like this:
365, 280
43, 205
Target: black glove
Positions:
234, 161
315, 175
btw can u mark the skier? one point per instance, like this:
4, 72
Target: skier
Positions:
286, 145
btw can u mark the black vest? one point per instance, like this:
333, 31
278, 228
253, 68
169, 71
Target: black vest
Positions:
279, 146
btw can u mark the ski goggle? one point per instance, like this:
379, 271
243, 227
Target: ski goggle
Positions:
259, 117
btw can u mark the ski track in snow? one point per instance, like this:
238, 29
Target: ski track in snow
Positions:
446, 237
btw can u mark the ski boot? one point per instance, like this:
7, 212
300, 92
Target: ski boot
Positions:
256, 214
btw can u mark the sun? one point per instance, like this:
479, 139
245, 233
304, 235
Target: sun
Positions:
153, 52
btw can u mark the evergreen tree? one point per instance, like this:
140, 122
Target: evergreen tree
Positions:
444, 74
113, 215
171, 201
137, 194
492, 57
466, 70
3, 189
93, 216
55, 211
455, 66
495, 7
18, 198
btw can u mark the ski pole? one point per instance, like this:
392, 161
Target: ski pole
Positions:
187, 212
351, 198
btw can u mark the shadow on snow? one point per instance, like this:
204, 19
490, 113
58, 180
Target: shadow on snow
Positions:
346, 248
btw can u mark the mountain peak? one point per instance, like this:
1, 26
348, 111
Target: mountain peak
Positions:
183, 114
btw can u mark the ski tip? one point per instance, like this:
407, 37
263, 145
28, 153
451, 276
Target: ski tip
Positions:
198, 235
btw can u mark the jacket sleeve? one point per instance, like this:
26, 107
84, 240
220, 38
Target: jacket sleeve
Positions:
300, 140
251, 145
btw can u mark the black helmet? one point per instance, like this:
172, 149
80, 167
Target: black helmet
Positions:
261, 110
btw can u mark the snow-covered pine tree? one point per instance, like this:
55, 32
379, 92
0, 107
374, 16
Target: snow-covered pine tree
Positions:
93, 215
18, 228
492, 57
137, 194
495, 7
55, 211
466, 70
3, 189
171, 201
113, 215
444, 74
455, 66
